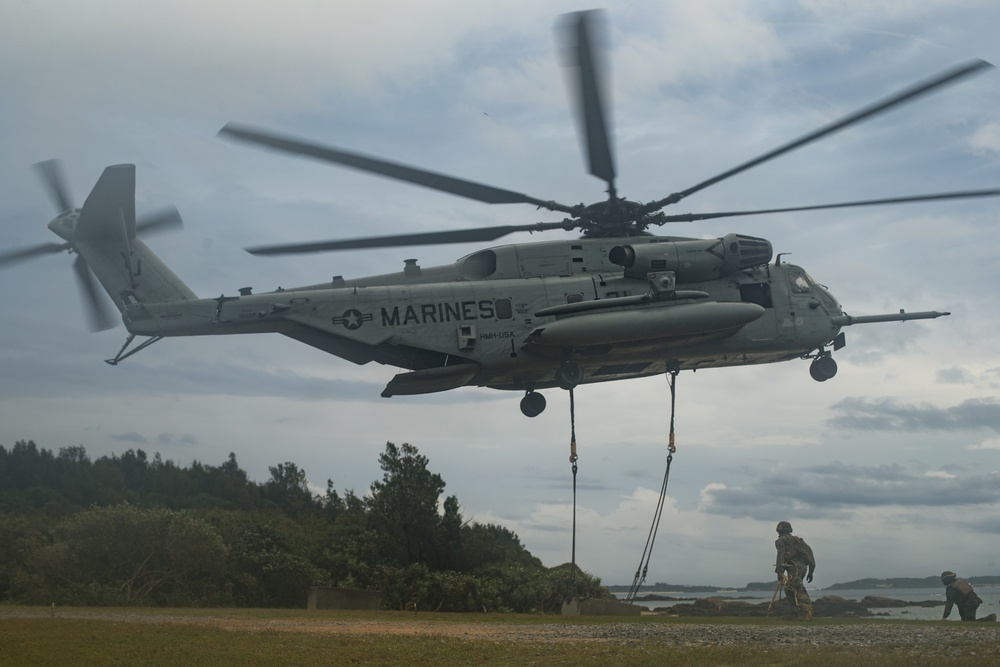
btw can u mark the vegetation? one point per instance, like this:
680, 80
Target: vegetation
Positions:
133, 531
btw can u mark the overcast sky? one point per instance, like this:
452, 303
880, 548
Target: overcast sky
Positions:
889, 469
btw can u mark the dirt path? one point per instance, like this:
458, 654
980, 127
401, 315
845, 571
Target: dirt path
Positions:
915, 637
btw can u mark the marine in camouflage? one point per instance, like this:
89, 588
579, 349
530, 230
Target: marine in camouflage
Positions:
794, 562
959, 593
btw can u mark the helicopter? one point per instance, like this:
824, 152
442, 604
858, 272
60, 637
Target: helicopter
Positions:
614, 304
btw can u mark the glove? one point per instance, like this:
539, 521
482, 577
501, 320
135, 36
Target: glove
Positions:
809, 577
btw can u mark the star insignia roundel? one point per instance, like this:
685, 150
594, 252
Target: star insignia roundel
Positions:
352, 319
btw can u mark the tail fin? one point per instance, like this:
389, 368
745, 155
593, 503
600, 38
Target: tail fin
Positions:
104, 235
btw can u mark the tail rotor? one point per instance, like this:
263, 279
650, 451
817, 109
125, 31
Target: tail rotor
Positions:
54, 177
64, 225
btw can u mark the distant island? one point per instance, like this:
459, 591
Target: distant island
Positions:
909, 582
858, 584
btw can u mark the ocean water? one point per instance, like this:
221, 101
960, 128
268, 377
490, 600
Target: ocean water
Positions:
989, 594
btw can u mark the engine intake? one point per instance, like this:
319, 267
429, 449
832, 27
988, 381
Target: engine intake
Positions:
694, 260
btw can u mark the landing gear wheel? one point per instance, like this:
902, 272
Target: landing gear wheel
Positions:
823, 368
532, 404
568, 375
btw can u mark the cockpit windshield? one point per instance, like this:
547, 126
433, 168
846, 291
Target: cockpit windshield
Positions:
799, 281
801, 284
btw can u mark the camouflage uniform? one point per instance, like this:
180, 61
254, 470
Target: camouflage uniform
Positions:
795, 560
959, 592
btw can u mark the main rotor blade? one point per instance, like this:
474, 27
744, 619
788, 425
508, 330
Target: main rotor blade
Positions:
55, 181
579, 32
909, 94
98, 314
428, 179
23, 254
161, 221
964, 194
427, 238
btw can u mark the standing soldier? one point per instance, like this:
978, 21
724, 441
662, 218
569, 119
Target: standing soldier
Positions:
959, 592
794, 560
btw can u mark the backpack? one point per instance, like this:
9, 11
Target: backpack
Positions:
801, 550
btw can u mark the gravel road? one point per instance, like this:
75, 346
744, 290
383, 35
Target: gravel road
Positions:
946, 638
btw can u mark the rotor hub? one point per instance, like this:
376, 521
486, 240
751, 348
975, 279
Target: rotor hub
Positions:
617, 217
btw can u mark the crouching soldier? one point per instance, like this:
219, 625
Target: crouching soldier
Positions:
959, 592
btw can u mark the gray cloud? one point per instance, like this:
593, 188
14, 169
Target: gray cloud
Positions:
39, 377
188, 376
991, 525
131, 438
953, 375
889, 415
834, 489
176, 440
167, 440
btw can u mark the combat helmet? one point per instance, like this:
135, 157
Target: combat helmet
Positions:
948, 576
784, 527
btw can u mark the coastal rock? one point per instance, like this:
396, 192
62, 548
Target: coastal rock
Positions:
880, 601
716, 606
828, 606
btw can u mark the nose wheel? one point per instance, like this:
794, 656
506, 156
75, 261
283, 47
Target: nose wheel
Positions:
532, 404
823, 367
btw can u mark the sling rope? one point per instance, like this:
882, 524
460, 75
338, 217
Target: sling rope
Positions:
647, 552
572, 459
780, 586
783, 582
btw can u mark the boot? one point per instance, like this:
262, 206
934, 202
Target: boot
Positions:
989, 619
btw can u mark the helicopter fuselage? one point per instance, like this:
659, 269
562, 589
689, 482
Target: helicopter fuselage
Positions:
509, 317
518, 317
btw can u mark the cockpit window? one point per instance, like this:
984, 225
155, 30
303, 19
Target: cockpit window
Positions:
798, 281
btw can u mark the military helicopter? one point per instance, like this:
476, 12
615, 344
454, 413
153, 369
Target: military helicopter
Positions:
616, 303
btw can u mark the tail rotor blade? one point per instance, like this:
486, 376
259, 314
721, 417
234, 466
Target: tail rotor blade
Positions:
55, 181
98, 314
162, 221
14, 256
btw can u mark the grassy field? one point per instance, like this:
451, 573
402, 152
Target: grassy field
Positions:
294, 637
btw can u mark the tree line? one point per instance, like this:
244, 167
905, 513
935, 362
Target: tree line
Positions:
133, 530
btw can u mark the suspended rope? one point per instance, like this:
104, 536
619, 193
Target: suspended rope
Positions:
778, 588
572, 460
647, 552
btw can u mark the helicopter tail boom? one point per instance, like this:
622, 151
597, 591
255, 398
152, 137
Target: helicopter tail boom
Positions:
104, 236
